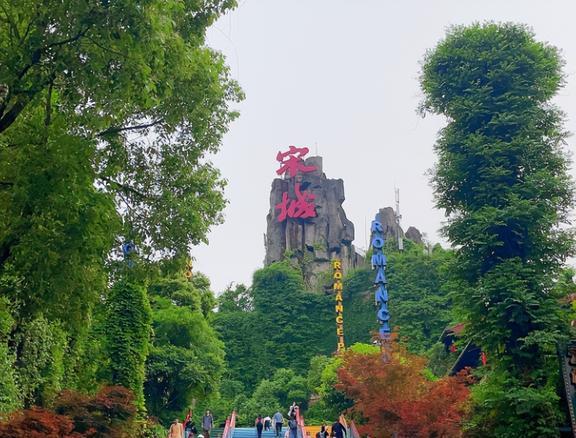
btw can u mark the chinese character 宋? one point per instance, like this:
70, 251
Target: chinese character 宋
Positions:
292, 161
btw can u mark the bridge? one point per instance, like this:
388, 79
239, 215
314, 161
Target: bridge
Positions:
304, 431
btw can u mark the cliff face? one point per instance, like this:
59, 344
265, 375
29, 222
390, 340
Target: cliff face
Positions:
315, 240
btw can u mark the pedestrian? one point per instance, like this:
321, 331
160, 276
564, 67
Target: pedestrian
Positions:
207, 424
190, 430
176, 429
267, 423
278, 423
338, 431
292, 409
323, 433
259, 426
293, 426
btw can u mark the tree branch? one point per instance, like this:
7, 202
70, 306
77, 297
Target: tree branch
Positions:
9, 117
126, 188
116, 130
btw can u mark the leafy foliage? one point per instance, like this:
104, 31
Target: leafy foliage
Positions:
128, 327
112, 71
108, 114
277, 325
186, 360
396, 397
419, 304
502, 179
322, 380
504, 407
38, 423
40, 365
107, 414
9, 391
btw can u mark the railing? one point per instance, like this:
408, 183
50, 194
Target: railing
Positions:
353, 430
301, 425
343, 422
230, 425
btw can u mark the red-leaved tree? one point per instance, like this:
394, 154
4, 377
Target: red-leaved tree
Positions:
108, 414
396, 397
38, 423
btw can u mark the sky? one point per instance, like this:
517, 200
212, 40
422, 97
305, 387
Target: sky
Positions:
341, 77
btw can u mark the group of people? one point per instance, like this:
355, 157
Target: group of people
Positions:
188, 429
338, 431
277, 422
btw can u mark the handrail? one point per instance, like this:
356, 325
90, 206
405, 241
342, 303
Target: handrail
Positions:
353, 430
230, 425
300, 421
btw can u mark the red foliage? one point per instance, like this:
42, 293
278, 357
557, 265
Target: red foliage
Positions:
396, 397
107, 414
38, 423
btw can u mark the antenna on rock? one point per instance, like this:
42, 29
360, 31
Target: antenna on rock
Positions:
398, 217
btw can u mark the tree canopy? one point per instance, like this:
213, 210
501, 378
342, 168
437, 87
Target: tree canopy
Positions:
502, 179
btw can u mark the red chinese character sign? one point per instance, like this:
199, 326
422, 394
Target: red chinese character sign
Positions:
292, 162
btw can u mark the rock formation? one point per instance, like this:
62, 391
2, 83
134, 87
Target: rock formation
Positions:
392, 230
314, 241
413, 234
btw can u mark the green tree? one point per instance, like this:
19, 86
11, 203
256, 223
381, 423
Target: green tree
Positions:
108, 112
502, 180
420, 305
187, 358
40, 365
83, 84
10, 399
296, 324
128, 328
237, 299
274, 324
276, 393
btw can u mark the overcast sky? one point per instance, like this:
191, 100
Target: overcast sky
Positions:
341, 77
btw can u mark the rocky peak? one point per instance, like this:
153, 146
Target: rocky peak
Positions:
387, 217
314, 240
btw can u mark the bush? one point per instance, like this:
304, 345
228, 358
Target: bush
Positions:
108, 414
38, 423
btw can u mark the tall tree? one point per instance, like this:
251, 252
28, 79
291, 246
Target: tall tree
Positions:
186, 360
108, 112
502, 179
128, 330
104, 104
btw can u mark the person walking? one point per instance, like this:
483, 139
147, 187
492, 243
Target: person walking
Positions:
323, 433
293, 426
278, 423
292, 409
207, 424
176, 430
267, 422
338, 431
190, 430
259, 426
